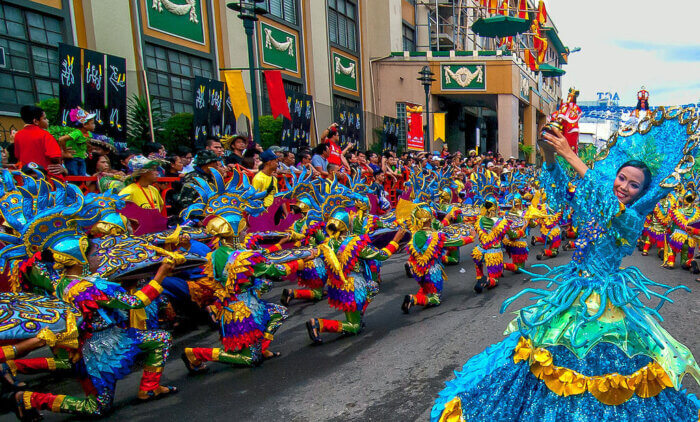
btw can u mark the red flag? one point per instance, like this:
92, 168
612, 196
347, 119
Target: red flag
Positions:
414, 138
531, 60
522, 9
504, 8
542, 13
277, 97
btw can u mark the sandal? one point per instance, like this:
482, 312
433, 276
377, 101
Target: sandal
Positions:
200, 369
314, 329
272, 355
24, 415
152, 395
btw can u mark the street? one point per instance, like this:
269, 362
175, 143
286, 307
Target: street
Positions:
392, 371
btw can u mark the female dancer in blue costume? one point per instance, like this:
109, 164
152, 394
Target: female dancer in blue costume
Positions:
590, 350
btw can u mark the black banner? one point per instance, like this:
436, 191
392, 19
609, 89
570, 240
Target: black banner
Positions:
350, 121
116, 98
296, 133
201, 111
390, 134
70, 82
215, 99
94, 89
229, 117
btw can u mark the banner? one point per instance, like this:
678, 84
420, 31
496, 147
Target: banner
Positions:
390, 134
116, 98
276, 95
94, 90
414, 121
229, 117
439, 127
296, 133
215, 97
350, 121
201, 111
70, 81
236, 90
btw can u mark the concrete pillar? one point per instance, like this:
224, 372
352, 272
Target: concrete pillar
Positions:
530, 130
508, 117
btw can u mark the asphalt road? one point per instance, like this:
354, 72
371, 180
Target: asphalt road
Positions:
392, 371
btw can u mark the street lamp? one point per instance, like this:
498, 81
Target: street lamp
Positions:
248, 11
426, 80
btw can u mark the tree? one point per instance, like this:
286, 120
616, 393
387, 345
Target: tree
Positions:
270, 131
138, 123
177, 130
52, 110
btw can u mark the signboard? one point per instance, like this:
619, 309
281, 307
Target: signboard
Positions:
208, 109
94, 89
463, 77
70, 87
350, 121
179, 18
390, 134
215, 98
345, 71
279, 47
296, 132
116, 98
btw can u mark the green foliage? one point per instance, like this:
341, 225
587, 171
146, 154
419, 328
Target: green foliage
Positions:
270, 131
138, 123
57, 131
525, 149
177, 130
51, 108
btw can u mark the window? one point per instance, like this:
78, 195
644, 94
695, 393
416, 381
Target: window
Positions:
171, 77
401, 117
283, 9
288, 87
342, 17
30, 41
409, 38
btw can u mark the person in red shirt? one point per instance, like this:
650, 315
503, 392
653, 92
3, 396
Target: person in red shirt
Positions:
34, 144
337, 155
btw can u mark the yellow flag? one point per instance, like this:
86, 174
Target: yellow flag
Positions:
439, 125
236, 90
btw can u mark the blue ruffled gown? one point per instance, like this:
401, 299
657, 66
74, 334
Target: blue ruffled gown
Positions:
590, 349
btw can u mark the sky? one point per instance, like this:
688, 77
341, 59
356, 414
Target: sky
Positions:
627, 44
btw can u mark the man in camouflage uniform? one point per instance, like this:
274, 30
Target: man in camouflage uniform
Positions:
203, 163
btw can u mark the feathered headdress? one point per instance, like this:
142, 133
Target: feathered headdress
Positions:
54, 221
230, 201
666, 141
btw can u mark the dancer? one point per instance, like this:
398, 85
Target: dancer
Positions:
516, 247
491, 231
685, 213
426, 251
590, 350
349, 287
550, 232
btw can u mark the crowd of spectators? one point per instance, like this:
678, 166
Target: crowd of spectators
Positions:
137, 173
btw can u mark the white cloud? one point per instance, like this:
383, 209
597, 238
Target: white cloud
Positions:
626, 44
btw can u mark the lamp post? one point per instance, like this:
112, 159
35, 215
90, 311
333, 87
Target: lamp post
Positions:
248, 11
426, 80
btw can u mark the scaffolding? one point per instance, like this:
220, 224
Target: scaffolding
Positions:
443, 25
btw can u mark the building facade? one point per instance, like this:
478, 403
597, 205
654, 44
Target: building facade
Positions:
362, 54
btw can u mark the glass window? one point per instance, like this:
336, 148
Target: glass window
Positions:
342, 23
170, 77
283, 9
409, 38
30, 41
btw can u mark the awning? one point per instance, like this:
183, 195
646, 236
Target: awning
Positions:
500, 26
556, 41
550, 71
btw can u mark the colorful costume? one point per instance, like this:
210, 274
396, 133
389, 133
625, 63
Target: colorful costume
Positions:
236, 278
590, 350
491, 231
54, 222
516, 248
656, 227
350, 286
683, 214
426, 251
550, 232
